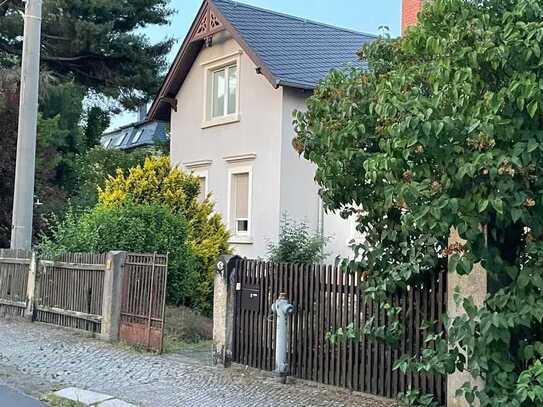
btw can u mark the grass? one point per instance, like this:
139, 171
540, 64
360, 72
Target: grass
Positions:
187, 326
56, 401
174, 345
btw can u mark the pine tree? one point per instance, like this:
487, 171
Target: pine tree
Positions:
97, 44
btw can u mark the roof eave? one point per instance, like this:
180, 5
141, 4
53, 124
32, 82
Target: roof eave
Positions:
297, 85
163, 113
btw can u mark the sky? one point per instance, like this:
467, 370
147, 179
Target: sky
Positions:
361, 15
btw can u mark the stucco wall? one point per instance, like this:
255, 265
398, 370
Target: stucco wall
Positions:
299, 191
257, 133
281, 180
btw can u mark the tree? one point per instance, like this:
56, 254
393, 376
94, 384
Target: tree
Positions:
157, 182
49, 195
445, 129
97, 165
95, 43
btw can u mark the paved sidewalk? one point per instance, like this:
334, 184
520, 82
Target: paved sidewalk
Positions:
35, 357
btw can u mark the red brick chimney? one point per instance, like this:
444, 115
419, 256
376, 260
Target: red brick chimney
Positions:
410, 9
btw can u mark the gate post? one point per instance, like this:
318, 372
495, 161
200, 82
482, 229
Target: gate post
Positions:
223, 310
112, 296
472, 285
31, 287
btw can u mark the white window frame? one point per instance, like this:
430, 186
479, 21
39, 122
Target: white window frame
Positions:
209, 68
205, 175
243, 237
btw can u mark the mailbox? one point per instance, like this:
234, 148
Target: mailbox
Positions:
250, 297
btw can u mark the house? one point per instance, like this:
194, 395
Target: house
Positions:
229, 97
142, 133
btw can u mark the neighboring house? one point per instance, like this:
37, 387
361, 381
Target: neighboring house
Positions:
229, 97
139, 134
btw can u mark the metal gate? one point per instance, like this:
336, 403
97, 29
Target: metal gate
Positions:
325, 300
143, 300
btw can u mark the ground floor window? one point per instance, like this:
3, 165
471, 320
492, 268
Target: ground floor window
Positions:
203, 188
240, 195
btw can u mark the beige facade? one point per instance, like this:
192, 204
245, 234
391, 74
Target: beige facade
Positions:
255, 140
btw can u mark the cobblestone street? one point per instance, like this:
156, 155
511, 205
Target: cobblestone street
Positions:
37, 358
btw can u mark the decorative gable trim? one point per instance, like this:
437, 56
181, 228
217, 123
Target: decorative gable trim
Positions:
208, 21
208, 25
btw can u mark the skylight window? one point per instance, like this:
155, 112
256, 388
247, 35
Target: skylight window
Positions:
137, 137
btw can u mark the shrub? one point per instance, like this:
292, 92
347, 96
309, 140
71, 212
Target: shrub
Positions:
298, 244
140, 228
96, 165
156, 182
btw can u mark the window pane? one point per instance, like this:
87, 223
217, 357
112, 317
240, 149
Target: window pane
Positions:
242, 225
219, 86
232, 89
242, 195
138, 136
202, 194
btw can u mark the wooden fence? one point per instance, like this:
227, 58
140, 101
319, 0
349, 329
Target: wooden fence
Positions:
14, 269
327, 299
70, 291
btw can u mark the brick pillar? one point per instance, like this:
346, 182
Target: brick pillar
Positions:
223, 310
473, 285
410, 9
112, 296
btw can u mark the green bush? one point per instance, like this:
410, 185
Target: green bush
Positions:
157, 182
135, 228
298, 244
98, 164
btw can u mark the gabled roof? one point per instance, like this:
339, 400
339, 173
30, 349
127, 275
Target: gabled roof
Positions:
289, 51
134, 135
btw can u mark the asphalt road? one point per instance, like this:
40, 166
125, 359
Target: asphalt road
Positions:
11, 398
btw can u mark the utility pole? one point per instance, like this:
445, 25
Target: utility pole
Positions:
23, 200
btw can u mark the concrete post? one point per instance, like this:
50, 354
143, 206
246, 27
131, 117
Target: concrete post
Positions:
223, 310
282, 309
112, 296
23, 198
32, 287
473, 285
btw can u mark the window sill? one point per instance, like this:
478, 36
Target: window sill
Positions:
241, 240
233, 118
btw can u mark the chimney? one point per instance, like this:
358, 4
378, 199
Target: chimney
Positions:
410, 9
142, 113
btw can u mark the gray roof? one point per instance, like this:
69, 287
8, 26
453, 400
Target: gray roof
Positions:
134, 135
289, 51
298, 52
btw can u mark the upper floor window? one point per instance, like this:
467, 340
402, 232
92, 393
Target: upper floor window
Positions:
224, 88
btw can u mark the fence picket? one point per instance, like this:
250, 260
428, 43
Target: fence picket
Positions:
327, 298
